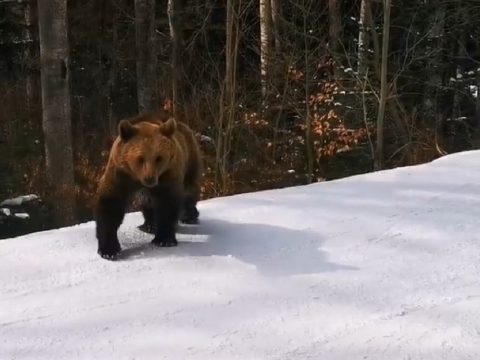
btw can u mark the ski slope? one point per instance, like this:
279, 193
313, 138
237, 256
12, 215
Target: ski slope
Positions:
378, 266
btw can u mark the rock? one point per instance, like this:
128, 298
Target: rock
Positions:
23, 215
18, 201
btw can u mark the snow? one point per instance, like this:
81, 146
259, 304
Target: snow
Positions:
19, 200
378, 266
5, 211
473, 90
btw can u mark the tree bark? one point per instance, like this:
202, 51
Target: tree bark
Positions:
227, 113
29, 55
308, 116
477, 99
266, 45
277, 15
334, 30
363, 40
378, 163
146, 55
57, 126
173, 11
436, 38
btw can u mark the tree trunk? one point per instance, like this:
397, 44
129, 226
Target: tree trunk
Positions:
308, 116
378, 163
176, 54
57, 126
477, 99
363, 40
266, 45
335, 30
146, 55
436, 38
227, 113
29, 55
277, 15
461, 37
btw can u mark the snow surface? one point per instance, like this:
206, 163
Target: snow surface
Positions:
5, 211
378, 266
19, 200
22, 215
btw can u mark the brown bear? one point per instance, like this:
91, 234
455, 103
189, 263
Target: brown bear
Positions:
161, 157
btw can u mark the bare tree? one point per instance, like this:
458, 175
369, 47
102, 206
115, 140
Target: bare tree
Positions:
334, 29
266, 45
227, 114
30, 52
277, 15
363, 39
477, 99
146, 55
378, 161
57, 127
308, 116
175, 58
436, 37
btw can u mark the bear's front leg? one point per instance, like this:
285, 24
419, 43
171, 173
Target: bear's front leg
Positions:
167, 205
109, 217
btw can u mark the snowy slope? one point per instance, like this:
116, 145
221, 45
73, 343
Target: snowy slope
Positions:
381, 266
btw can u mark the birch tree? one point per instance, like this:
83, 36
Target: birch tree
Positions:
363, 40
266, 45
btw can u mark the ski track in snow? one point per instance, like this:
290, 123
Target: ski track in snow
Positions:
377, 266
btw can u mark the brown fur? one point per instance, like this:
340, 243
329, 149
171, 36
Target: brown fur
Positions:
180, 155
160, 156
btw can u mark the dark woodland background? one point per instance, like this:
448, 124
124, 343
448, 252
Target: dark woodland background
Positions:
280, 93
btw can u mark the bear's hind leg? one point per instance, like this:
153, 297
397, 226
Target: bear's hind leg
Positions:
190, 212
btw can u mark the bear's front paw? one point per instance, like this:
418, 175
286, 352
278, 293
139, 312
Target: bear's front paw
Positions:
165, 241
109, 252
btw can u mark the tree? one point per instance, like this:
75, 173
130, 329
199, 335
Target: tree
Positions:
176, 53
378, 163
363, 40
29, 53
227, 112
57, 126
146, 55
277, 25
266, 45
334, 29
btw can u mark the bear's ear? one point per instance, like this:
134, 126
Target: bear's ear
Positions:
169, 127
126, 130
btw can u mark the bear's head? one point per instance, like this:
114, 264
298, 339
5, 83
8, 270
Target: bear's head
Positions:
147, 149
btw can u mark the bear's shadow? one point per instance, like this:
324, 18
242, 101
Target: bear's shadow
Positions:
273, 250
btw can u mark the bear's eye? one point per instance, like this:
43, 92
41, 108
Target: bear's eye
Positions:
158, 159
140, 160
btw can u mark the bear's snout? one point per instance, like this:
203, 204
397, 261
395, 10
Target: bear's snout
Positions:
150, 181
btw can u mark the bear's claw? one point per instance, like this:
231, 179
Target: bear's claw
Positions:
108, 256
109, 252
169, 242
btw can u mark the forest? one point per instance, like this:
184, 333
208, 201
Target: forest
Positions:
279, 92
